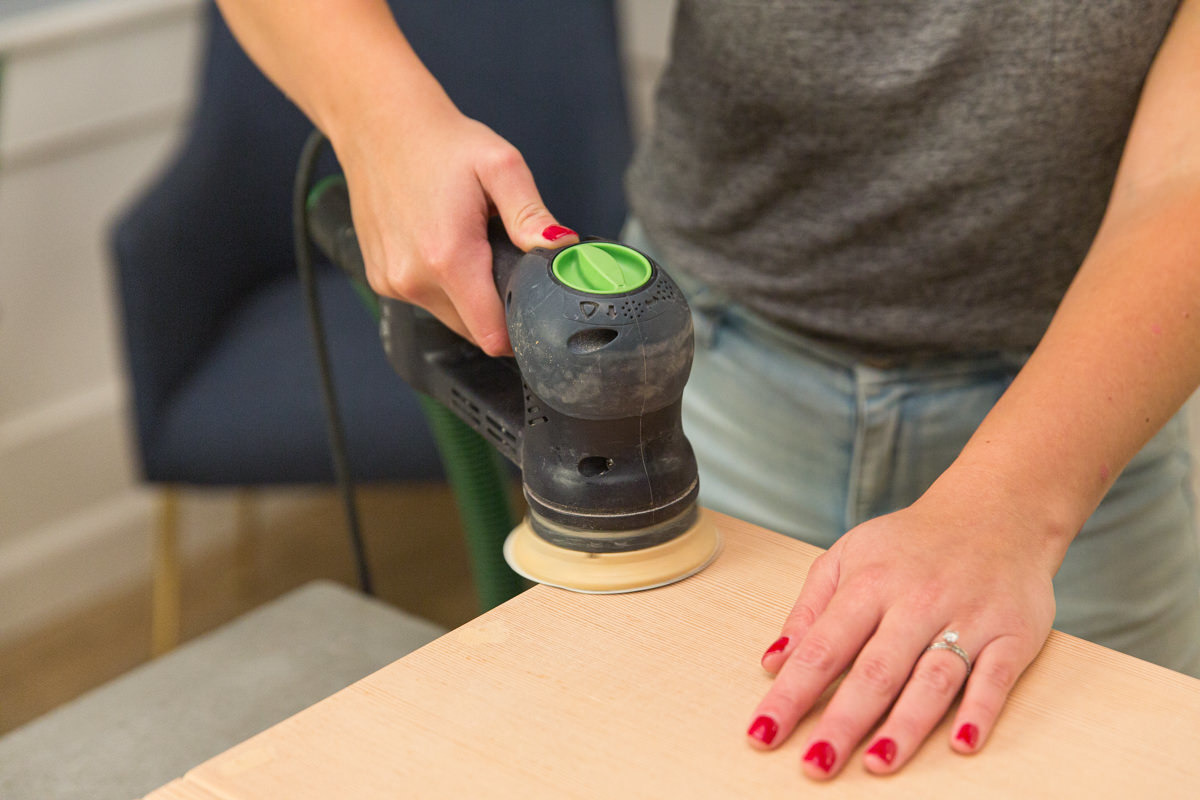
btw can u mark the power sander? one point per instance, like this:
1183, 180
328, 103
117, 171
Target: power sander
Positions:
589, 408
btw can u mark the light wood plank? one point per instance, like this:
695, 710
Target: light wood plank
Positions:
557, 694
181, 789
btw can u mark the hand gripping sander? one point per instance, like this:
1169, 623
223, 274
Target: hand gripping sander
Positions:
589, 409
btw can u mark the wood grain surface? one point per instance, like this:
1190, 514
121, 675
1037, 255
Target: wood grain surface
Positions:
558, 695
181, 789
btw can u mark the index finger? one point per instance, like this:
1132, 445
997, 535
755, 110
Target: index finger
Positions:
818, 588
812, 665
470, 288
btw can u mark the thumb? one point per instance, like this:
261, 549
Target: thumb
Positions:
526, 219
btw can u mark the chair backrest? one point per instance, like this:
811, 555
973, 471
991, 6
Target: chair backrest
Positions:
543, 73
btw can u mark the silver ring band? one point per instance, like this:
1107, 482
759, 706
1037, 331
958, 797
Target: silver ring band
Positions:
948, 642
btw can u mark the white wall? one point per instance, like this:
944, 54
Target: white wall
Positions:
92, 100
645, 34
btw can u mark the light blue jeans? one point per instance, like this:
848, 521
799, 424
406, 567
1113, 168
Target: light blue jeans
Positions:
804, 440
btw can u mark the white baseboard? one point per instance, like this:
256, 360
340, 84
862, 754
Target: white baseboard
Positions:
80, 559
73, 562
64, 457
76, 523
73, 521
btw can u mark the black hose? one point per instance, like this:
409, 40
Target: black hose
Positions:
333, 418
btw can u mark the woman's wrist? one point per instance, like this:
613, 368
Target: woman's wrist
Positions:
399, 96
1039, 519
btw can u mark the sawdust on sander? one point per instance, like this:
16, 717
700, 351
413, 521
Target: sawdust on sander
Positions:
609, 573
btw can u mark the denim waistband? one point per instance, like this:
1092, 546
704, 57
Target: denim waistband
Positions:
711, 316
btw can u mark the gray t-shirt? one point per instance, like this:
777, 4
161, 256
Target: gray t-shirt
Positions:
913, 177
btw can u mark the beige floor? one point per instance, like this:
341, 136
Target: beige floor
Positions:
418, 560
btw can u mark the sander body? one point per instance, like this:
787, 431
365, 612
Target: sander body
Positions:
588, 409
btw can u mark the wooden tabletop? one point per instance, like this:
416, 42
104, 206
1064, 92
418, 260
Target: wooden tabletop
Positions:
557, 694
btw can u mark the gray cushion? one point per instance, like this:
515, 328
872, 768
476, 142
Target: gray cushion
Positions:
154, 723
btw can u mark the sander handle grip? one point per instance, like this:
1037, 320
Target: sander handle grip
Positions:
331, 228
484, 392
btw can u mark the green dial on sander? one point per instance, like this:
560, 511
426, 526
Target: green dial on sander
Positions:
602, 268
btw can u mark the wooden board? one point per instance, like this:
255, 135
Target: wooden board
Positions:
558, 694
181, 789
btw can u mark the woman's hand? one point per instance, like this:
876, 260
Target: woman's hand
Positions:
422, 187
954, 561
423, 178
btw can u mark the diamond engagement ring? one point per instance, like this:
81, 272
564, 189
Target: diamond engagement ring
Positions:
949, 641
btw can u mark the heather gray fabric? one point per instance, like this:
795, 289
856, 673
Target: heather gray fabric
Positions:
894, 177
151, 725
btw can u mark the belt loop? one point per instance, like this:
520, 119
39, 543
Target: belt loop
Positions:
706, 322
709, 310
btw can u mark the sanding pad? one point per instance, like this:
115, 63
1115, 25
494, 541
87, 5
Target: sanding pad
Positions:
611, 573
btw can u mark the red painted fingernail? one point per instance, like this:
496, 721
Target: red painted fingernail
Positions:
821, 755
884, 750
764, 729
780, 643
968, 734
555, 232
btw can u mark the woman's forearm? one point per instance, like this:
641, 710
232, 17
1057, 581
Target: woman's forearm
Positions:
341, 61
1120, 357
1122, 353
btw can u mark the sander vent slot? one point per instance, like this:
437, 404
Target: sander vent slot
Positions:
466, 407
500, 434
594, 466
590, 340
533, 412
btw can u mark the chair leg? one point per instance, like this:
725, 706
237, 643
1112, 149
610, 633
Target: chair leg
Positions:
166, 603
246, 541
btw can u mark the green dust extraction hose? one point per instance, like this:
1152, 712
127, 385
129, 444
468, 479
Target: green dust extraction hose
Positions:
480, 484
473, 467
481, 492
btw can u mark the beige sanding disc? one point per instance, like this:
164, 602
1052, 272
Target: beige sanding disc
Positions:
609, 573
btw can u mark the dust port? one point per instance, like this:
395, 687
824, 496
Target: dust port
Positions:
594, 466
590, 340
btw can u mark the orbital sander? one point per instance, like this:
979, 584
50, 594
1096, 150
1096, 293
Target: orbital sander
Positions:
589, 408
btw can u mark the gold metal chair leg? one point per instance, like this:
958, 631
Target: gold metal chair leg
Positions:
246, 541
167, 601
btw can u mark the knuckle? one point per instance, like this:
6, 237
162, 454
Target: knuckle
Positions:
801, 616
872, 577
503, 158
817, 654
877, 675
435, 260
907, 725
826, 567
924, 599
492, 343
380, 282
985, 708
528, 212
998, 675
404, 284
782, 700
939, 676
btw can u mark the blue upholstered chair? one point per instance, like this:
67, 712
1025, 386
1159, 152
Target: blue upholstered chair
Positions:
224, 381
